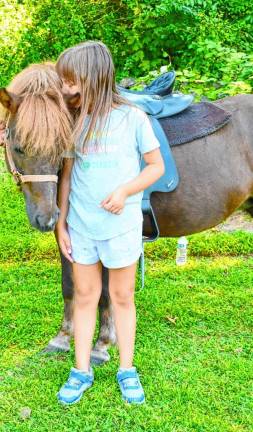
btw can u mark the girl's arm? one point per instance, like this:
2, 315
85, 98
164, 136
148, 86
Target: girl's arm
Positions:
64, 189
153, 171
63, 204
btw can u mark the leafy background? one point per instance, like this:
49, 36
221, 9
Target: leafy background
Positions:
194, 333
208, 42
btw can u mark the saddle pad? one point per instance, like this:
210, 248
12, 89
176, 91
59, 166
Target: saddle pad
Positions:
170, 179
196, 121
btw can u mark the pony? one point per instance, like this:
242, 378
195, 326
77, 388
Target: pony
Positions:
215, 178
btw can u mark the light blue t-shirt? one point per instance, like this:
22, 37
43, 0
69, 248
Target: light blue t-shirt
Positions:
128, 134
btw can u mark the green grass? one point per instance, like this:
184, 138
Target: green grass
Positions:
193, 344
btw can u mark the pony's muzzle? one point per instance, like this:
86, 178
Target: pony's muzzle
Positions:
45, 223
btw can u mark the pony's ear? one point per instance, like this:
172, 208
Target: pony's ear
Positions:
9, 100
72, 101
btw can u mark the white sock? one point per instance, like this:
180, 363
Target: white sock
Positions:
81, 370
126, 369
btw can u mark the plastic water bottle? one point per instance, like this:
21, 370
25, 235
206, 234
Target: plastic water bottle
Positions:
181, 256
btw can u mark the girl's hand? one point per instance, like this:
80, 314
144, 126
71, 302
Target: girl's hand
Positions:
115, 202
63, 239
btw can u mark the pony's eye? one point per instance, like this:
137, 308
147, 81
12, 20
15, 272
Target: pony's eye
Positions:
19, 150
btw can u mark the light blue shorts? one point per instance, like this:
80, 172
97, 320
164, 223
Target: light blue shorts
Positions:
120, 251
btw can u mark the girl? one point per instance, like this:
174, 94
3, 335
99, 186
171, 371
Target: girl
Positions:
100, 197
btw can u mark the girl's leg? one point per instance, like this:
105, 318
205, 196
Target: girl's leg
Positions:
87, 292
121, 289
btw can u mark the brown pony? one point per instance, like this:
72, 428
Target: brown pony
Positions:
215, 177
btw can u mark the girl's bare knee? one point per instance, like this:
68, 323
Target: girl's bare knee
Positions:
88, 296
122, 286
122, 297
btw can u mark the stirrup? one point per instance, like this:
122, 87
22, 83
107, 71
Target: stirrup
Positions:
147, 210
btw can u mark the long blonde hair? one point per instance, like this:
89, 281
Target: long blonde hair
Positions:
90, 66
43, 122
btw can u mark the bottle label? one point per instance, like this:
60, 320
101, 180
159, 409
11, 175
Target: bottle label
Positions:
181, 257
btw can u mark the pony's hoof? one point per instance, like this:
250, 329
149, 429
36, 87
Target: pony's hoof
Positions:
98, 358
53, 348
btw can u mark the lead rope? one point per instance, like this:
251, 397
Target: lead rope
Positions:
142, 266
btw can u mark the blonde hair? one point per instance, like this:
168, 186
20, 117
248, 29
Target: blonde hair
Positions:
90, 66
43, 123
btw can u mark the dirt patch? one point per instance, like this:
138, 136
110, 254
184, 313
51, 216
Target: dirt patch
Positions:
237, 221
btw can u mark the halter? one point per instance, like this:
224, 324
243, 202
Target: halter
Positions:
18, 177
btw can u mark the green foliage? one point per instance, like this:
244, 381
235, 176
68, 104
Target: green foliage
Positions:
191, 81
194, 324
35, 31
213, 38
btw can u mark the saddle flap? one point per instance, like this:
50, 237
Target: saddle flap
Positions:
159, 107
170, 179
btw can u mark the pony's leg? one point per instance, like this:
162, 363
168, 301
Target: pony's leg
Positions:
61, 342
107, 333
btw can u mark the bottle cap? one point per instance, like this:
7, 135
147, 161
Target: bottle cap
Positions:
183, 240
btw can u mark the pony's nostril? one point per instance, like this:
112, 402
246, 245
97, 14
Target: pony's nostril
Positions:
37, 219
41, 221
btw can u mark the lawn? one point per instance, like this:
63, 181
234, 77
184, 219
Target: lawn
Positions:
193, 344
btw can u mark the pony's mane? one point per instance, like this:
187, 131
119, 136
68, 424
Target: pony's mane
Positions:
42, 122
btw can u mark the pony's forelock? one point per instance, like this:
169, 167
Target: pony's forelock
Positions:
43, 122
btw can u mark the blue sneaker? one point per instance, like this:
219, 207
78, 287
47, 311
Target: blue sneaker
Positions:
130, 386
72, 391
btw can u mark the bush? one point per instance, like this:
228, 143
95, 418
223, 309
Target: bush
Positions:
212, 37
